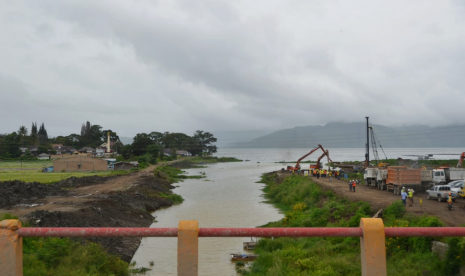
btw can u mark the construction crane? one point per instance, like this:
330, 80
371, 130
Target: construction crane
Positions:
459, 164
297, 165
375, 149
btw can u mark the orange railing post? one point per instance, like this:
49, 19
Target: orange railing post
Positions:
373, 247
188, 248
11, 248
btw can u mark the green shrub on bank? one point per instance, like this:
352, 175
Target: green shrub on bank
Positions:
63, 256
306, 204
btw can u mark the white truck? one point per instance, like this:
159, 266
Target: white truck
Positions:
443, 176
381, 177
370, 176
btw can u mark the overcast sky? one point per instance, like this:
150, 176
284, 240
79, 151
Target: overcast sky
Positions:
182, 65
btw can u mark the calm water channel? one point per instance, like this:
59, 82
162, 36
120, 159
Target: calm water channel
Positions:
228, 197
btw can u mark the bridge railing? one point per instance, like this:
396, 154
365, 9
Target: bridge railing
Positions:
372, 235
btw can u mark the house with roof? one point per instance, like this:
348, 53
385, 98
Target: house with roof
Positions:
44, 156
183, 153
86, 150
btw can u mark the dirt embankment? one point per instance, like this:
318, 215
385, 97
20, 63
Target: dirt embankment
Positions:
380, 199
117, 201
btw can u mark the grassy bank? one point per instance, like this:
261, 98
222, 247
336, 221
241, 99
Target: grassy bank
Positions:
62, 256
214, 159
305, 204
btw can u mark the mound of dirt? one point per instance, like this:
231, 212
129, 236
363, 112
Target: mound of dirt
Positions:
103, 213
18, 192
83, 181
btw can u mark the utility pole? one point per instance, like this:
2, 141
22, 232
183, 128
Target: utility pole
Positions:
367, 154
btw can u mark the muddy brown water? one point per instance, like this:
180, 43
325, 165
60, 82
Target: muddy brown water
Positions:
228, 197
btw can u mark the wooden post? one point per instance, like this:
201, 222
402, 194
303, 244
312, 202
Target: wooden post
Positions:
373, 247
188, 248
11, 248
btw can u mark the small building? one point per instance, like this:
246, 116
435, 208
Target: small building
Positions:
79, 163
43, 156
86, 150
119, 166
100, 152
183, 153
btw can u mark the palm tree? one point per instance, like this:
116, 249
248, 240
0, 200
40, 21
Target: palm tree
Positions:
22, 132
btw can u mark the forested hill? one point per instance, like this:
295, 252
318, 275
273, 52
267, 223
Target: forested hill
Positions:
353, 135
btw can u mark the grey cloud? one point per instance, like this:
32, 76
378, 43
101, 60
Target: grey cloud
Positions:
237, 65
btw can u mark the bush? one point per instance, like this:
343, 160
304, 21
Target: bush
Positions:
395, 210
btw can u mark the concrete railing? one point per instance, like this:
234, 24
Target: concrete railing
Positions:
372, 235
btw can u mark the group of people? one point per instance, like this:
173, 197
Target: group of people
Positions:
352, 184
407, 195
325, 173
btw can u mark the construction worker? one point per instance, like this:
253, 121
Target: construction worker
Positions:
317, 173
404, 196
413, 192
353, 186
410, 196
350, 185
449, 201
329, 175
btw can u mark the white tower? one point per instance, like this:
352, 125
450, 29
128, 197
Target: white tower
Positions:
108, 143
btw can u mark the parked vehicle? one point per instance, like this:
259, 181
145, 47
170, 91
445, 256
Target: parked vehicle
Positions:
440, 192
457, 186
401, 176
370, 176
443, 176
381, 177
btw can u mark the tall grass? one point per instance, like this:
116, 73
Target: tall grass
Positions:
306, 204
63, 256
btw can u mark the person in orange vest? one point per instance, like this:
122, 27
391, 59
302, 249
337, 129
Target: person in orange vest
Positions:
353, 185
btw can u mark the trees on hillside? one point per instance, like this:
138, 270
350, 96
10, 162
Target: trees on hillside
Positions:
199, 144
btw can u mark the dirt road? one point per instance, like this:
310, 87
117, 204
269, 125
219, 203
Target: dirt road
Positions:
380, 199
92, 201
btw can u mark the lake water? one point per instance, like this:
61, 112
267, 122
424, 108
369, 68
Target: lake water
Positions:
229, 197
336, 154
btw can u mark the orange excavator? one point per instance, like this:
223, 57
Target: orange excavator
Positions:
318, 165
459, 164
297, 165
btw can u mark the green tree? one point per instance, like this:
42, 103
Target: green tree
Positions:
126, 151
22, 132
42, 134
153, 151
157, 137
10, 145
113, 136
118, 146
140, 143
176, 140
202, 143
42, 149
34, 139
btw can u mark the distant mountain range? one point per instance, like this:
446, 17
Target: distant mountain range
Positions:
353, 135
